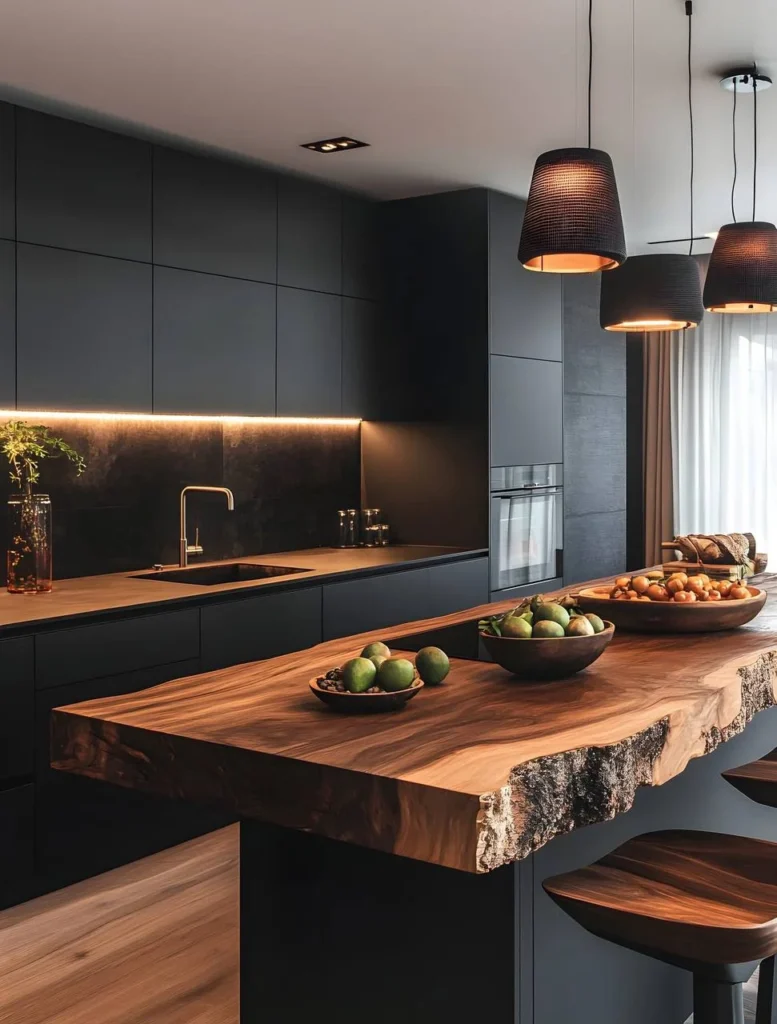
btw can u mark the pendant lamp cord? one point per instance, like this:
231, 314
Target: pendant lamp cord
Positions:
755, 136
590, 62
734, 144
689, 12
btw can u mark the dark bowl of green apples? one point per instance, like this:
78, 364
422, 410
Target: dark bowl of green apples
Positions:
543, 640
377, 680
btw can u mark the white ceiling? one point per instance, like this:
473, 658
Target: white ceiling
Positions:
449, 93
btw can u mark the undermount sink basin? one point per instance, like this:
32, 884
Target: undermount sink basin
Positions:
226, 572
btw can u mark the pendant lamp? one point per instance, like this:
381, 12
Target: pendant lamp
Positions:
573, 223
742, 273
660, 292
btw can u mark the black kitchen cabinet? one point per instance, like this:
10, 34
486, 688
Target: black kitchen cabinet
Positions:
309, 353
7, 171
82, 188
214, 344
17, 703
457, 585
526, 411
363, 384
594, 423
106, 649
214, 216
356, 606
258, 627
7, 324
361, 249
309, 236
16, 848
525, 308
83, 331
594, 546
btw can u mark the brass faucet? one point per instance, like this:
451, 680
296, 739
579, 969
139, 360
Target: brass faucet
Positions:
184, 547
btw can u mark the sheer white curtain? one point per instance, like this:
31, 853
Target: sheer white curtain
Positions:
724, 427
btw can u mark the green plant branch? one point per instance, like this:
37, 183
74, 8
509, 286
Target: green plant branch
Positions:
25, 446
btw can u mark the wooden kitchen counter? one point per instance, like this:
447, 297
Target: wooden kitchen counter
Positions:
473, 774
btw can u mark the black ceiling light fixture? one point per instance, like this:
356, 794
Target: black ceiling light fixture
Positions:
661, 291
339, 145
742, 274
573, 223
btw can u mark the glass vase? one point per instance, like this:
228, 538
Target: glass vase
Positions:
29, 544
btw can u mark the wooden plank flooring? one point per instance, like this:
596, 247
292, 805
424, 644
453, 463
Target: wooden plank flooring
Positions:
155, 942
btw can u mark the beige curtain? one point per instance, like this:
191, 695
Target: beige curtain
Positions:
657, 443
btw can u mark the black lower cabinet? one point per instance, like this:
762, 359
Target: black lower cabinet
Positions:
260, 627
16, 848
16, 708
84, 827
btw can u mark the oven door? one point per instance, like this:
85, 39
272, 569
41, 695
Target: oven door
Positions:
526, 536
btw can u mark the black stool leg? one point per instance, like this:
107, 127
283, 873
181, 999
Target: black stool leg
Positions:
766, 1007
716, 1002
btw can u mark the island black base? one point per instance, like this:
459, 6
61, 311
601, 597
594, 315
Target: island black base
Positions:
335, 932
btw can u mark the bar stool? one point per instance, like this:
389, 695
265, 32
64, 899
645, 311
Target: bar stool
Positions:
698, 900
758, 780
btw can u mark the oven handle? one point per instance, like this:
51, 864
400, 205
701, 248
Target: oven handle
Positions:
530, 489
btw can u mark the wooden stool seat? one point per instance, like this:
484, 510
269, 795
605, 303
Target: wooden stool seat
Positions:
758, 779
680, 896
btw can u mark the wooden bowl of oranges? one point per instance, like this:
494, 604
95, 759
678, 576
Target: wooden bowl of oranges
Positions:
677, 603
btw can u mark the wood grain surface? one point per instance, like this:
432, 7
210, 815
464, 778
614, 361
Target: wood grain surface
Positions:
472, 774
155, 942
91, 595
758, 779
698, 895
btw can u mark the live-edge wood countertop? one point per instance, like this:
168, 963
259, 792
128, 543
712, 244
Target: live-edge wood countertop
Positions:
472, 774
113, 592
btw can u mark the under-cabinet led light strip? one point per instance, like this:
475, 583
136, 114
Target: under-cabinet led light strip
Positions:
153, 417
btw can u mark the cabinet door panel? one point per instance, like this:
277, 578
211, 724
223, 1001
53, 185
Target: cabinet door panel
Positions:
82, 188
526, 412
525, 307
109, 648
458, 585
16, 849
7, 171
594, 546
361, 249
363, 389
214, 216
214, 344
309, 353
7, 324
17, 701
594, 454
260, 627
359, 605
83, 330
309, 236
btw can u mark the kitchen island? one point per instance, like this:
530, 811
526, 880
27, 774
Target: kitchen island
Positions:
482, 775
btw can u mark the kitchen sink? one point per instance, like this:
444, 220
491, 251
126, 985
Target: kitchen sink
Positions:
225, 572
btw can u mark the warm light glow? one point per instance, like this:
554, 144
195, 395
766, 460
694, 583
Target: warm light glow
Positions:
154, 417
743, 307
651, 325
571, 263
712, 234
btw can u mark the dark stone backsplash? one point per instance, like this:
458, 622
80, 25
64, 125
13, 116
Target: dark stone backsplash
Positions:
288, 479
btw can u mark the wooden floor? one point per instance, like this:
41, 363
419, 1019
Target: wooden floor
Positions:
155, 942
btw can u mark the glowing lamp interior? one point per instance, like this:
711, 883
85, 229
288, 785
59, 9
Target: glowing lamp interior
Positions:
571, 263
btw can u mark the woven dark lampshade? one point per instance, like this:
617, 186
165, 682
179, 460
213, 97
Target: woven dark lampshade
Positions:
573, 222
742, 275
660, 292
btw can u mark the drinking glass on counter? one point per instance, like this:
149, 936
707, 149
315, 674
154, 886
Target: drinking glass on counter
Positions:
348, 528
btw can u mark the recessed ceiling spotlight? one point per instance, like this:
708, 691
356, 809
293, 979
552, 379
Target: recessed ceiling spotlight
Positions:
334, 145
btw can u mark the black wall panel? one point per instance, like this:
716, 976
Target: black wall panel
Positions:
214, 344
83, 331
82, 188
214, 216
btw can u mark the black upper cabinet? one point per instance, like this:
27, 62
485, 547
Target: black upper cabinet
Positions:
7, 324
309, 353
214, 344
525, 307
361, 249
526, 412
214, 216
82, 188
309, 236
83, 331
363, 392
7, 171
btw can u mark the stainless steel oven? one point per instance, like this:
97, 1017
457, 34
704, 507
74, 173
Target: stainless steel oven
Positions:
527, 525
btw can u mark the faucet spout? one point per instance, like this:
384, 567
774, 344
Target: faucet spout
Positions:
184, 548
